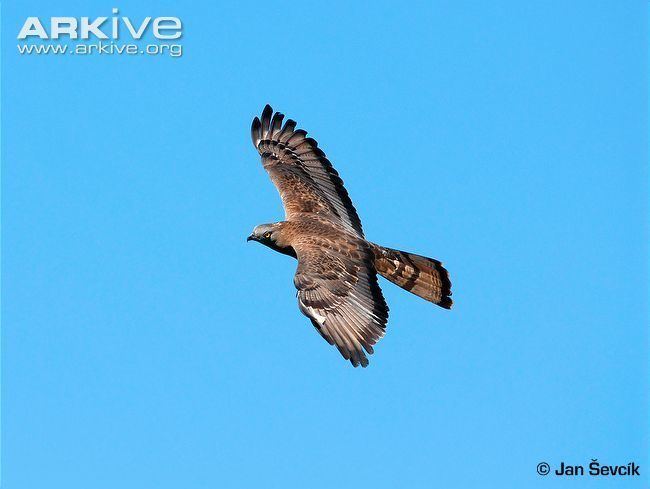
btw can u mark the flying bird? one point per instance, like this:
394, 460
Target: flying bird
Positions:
337, 268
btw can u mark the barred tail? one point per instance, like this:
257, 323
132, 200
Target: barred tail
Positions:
422, 276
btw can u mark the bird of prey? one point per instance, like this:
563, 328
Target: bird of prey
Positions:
337, 269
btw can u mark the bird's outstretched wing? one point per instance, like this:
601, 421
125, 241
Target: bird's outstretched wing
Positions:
305, 178
338, 291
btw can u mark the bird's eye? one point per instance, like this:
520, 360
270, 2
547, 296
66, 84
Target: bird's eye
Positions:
267, 235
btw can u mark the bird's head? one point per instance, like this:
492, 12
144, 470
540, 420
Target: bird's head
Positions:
271, 235
264, 233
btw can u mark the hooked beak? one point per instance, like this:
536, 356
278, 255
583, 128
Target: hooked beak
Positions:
251, 238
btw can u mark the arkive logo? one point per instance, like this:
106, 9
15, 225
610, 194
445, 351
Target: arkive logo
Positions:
84, 27
91, 34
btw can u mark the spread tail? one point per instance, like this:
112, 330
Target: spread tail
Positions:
422, 276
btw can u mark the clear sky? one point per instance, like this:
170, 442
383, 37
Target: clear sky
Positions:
145, 344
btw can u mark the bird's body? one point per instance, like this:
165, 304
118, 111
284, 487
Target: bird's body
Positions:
337, 269
309, 230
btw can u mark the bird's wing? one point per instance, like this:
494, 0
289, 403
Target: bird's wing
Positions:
305, 178
338, 290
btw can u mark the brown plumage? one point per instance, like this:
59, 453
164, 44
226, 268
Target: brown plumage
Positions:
337, 269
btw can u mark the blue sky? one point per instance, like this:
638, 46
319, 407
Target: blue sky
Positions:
145, 344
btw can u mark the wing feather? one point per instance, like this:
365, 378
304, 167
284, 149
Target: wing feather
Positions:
305, 178
339, 292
